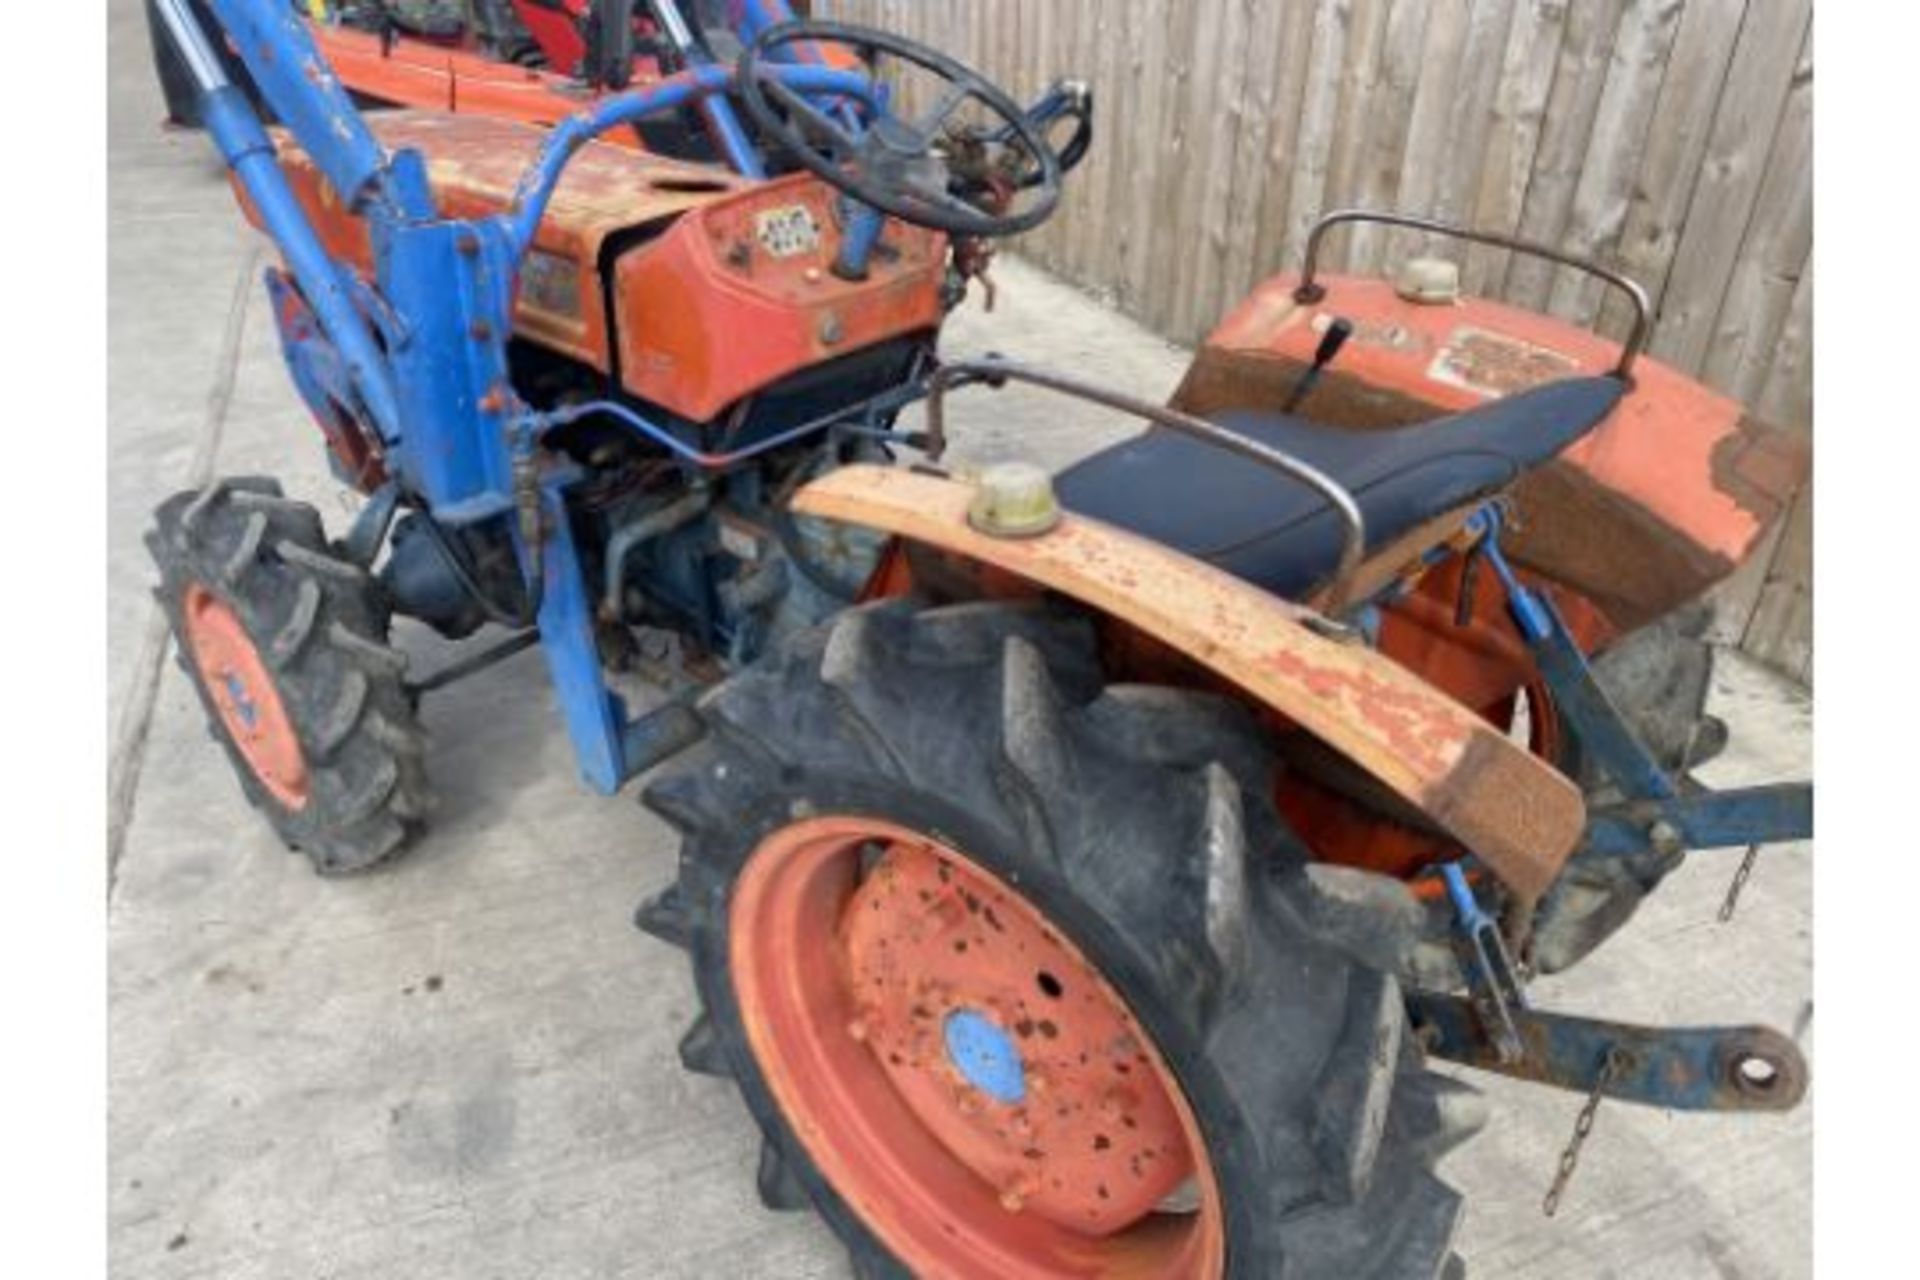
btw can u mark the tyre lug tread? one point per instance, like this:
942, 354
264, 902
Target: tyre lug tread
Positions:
701, 1051
780, 1188
252, 535
291, 639
342, 717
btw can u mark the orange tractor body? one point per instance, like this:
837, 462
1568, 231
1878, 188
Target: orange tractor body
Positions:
669, 278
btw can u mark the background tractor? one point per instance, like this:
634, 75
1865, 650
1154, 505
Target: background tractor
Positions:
1079, 873
534, 61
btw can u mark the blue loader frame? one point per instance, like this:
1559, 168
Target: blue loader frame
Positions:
420, 353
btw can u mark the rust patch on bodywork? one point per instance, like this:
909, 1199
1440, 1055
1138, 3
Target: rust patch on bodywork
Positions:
1220, 379
1762, 467
1514, 811
1497, 365
1489, 797
1572, 530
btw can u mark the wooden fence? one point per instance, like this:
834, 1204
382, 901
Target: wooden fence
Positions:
1669, 138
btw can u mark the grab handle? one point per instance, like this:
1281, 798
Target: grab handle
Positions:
1310, 290
994, 371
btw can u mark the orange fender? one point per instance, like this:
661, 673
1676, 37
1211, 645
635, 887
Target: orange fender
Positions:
1514, 811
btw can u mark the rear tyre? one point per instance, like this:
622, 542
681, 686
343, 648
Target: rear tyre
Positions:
286, 645
924, 800
1658, 678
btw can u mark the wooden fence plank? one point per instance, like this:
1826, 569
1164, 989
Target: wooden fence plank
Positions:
1771, 39
1778, 239
1020, 41
1219, 112
1471, 114
1435, 95
1519, 109
1314, 77
1781, 632
1123, 135
1784, 400
1154, 79
1621, 122
1683, 114
1265, 122
1173, 206
1578, 81
1359, 75
1390, 117
1094, 235
1787, 395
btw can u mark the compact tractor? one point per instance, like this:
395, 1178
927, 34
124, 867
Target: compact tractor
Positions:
1080, 872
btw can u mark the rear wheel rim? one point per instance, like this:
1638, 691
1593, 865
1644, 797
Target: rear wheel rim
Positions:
896, 996
244, 697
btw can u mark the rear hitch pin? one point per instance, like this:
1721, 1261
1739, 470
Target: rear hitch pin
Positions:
1498, 983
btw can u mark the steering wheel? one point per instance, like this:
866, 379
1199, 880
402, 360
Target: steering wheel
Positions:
908, 168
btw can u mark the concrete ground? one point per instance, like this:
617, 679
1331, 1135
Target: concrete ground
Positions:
464, 1066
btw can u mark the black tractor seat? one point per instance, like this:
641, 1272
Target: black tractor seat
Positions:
1281, 535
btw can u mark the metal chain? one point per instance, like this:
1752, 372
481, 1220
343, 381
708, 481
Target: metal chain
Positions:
1739, 883
1617, 1063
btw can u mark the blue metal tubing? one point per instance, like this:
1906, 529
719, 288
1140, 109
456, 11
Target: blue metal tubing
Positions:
1493, 973
229, 117
1683, 1068
1708, 820
537, 186
864, 226
273, 40
594, 714
718, 113
1465, 905
1529, 613
757, 15
1581, 700
715, 110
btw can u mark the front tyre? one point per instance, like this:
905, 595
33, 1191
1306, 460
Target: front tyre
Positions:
1017, 971
286, 644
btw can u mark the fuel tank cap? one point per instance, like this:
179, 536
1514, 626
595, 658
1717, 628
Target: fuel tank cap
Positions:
1430, 281
1014, 500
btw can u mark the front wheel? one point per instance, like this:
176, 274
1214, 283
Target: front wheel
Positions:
1018, 975
286, 645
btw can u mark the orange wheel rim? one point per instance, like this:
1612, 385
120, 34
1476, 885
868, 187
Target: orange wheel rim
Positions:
244, 695
957, 1070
